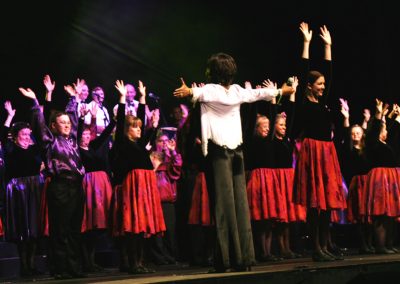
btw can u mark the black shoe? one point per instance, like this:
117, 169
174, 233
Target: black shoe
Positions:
147, 270
62, 276
269, 258
366, 251
394, 249
289, 255
383, 251
334, 256
320, 256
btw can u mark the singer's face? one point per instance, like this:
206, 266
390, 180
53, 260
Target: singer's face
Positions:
318, 87
130, 94
280, 127
262, 127
356, 134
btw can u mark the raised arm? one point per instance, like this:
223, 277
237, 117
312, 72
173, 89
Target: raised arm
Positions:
50, 86
40, 131
7, 123
367, 116
119, 133
344, 109
307, 36
326, 37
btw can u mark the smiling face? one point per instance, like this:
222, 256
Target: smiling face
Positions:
356, 135
262, 126
23, 138
62, 125
84, 93
98, 95
130, 94
280, 127
318, 87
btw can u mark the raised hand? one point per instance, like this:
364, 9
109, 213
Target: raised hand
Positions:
379, 105
307, 33
385, 109
366, 114
325, 35
269, 84
120, 86
344, 108
94, 109
9, 109
83, 110
28, 93
79, 85
70, 90
48, 83
142, 88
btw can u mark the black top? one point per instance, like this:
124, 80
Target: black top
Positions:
378, 153
315, 119
127, 155
95, 158
21, 162
353, 160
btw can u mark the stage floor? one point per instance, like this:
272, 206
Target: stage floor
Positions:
353, 269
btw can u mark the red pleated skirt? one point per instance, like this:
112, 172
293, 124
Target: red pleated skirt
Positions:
44, 211
295, 212
98, 191
137, 205
382, 193
356, 206
318, 180
264, 196
199, 213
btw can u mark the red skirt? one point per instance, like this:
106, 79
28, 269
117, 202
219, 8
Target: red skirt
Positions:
98, 191
318, 180
44, 211
295, 212
264, 196
199, 213
1, 228
137, 205
382, 194
356, 207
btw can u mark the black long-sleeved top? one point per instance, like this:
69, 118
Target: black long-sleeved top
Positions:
62, 153
95, 158
20, 162
315, 119
353, 160
126, 154
379, 154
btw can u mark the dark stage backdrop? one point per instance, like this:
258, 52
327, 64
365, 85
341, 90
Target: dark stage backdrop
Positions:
159, 41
